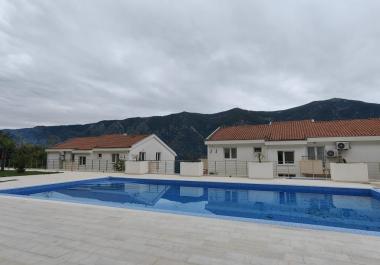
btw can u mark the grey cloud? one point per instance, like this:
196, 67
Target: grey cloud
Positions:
64, 62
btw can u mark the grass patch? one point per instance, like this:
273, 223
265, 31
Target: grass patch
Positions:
14, 173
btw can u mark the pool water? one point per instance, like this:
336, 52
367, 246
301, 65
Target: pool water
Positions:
333, 207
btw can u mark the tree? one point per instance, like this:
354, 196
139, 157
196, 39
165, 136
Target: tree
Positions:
20, 158
6, 147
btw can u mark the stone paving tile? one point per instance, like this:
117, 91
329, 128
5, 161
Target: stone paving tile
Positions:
74, 175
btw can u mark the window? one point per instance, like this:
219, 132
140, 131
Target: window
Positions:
72, 158
285, 157
226, 153
311, 153
115, 158
316, 152
257, 150
230, 153
100, 156
320, 150
82, 160
142, 156
158, 156
233, 153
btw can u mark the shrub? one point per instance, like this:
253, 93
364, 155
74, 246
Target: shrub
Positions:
20, 159
119, 165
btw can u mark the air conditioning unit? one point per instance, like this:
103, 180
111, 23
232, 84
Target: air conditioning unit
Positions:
331, 153
342, 145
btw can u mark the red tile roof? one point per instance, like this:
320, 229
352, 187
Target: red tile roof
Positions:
104, 141
299, 130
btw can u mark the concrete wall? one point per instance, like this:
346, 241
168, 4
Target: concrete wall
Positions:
300, 151
150, 147
360, 151
262, 170
53, 161
366, 151
107, 155
136, 167
244, 152
355, 172
92, 160
191, 169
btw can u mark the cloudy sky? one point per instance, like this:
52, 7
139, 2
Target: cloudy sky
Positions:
77, 61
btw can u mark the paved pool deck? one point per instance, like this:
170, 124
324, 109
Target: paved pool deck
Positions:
49, 232
24, 181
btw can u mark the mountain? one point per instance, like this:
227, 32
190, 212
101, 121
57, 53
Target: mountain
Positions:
185, 132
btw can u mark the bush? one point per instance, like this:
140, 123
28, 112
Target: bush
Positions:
119, 165
20, 159
6, 148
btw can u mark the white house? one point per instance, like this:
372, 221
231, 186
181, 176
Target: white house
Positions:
297, 148
101, 153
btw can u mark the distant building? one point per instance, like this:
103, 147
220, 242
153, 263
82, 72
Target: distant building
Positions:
291, 145
102, 152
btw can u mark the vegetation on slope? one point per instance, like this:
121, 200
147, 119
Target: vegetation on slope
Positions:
186, 132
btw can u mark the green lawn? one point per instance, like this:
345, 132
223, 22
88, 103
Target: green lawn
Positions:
14, 173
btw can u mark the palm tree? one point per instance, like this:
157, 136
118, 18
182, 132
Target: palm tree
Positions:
6, 146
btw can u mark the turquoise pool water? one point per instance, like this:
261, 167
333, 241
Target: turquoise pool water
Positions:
331, 207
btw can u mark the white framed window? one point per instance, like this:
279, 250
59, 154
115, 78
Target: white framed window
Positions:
285, 157
316, 152
115, 158
82, 160
158, 156
100, 156
230, 153
142, 156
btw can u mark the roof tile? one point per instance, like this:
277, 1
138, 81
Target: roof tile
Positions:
104, 141
299, 130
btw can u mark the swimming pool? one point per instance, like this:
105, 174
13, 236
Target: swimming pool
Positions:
329, 207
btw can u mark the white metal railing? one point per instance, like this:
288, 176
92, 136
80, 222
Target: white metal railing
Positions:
312, 169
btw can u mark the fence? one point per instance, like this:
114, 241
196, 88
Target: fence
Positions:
227, 168
30, 164
313, 169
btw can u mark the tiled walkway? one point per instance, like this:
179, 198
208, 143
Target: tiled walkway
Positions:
48, 232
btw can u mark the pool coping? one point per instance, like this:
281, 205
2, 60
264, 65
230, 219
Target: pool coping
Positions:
374, 192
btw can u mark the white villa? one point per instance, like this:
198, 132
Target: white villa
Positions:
297, 148
102, 152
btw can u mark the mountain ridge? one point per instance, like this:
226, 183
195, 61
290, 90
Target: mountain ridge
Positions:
185, 131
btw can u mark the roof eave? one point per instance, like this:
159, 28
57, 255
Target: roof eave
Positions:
208, 137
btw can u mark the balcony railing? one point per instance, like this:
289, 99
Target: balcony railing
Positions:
311, 169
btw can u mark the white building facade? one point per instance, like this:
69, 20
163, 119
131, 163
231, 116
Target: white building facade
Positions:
301, 148
104, 153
